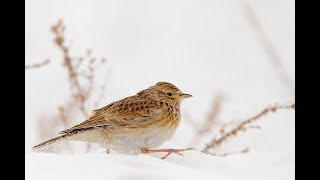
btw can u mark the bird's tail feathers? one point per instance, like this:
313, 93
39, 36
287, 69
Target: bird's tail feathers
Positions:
53, 140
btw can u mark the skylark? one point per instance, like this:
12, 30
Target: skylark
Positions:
133, 125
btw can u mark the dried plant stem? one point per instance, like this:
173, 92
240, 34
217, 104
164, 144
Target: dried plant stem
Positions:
81, 78
243, 151
210, 120
58, 30
190, 120
37, 65
270, 50
243, 126
63, 116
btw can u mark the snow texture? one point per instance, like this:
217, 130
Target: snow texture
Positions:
194, 165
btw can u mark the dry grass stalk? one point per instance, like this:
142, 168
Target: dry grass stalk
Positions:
81, 77
187, 117
243, 126
63, 117
81, 71
211, 119
268, 46
37, 65
58, 30
243, 151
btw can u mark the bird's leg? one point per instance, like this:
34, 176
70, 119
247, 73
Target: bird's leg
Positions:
168, 151
108, 151
105, 150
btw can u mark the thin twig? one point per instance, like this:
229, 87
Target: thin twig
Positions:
269, 48
37, 65
243, 126
63, 116
189, 119
81, 72
58, 30
243, 151
210, 120
102, 87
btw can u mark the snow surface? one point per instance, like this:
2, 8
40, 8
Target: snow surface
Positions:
203, 47
194, 165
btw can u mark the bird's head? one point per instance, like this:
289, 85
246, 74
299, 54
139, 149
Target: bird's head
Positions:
167, 92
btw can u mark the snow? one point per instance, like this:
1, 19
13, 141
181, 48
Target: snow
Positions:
194, 165
203, 47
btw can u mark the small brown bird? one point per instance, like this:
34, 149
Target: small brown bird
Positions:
132, 125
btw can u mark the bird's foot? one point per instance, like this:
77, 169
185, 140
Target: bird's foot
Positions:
168, 151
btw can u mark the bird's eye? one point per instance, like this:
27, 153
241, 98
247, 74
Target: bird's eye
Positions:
169, 94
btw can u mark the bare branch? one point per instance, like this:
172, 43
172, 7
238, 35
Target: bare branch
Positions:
268, 47
63, 116
211, 118
189, 119
81, 72
37, 65
243, 151
58, 31
81, 80
214, 143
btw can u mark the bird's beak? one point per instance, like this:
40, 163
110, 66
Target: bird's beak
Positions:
185, 95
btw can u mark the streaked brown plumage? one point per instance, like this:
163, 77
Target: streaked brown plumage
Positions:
134, 124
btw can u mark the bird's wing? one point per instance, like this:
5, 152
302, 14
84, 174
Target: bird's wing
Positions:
121, 113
